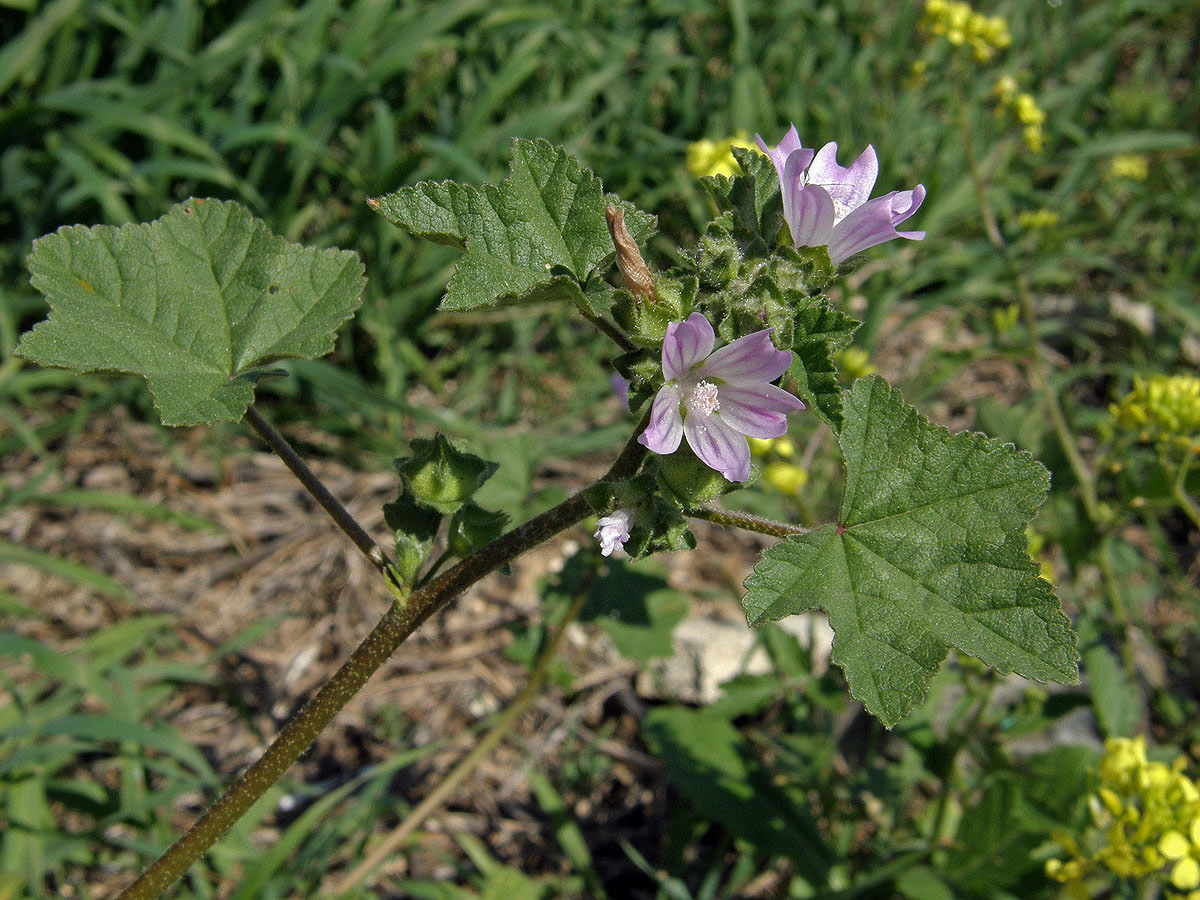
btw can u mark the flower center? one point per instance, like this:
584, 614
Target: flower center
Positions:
703, 400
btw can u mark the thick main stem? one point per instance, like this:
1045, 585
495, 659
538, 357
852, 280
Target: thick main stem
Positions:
400, 621
463, 769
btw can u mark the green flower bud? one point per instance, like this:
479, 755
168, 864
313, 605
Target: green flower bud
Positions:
410, 554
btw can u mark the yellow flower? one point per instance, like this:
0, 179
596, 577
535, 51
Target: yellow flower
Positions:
1131, 166
1037, 220
785, 477
854, 362
962, 26
761, 446
1027, 110
1148, 814
1005, 88
705, 157
1164, 409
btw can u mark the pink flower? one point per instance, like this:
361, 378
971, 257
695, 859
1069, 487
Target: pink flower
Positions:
826, 205
717, 400
613, 531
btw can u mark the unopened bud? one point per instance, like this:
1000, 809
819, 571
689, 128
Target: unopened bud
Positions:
633, 268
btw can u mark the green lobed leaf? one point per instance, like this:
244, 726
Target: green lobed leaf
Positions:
930, 554
196, 302
535, 237
753, 196
819, 332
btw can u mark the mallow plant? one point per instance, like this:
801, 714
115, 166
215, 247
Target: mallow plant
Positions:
927, 552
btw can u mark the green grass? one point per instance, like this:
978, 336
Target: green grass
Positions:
110, 112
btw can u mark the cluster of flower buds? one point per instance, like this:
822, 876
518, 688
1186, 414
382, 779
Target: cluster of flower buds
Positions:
1148, 814
1037, 219
961, 26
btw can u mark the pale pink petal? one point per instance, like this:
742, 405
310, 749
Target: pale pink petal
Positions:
808, 211
621, 388
718, 446
753, 422
784, 150
850, 188
686, 344
768, 397
875, 222
759, 411
613, 531
665, 430
752, 359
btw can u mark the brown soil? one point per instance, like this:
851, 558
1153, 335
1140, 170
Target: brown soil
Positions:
274, 556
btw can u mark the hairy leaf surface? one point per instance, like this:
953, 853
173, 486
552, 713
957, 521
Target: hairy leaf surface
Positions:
534, 237
930, 554
196, 302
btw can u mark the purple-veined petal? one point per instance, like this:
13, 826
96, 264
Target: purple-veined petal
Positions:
718, 446
663, 434
752, 359
751, 422
808, 211
766, 397
875, 222
686, 344
783, 150
849, 187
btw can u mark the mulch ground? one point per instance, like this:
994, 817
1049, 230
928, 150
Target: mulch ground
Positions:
276, 556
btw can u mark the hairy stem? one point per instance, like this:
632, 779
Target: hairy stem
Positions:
400, 621
745, 521
485, 745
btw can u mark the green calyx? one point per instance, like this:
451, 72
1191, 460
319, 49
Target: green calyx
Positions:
688, 480
473, 527
646, 321
658, 525
440, 476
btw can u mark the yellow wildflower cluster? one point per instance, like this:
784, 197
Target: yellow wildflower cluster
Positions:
961, 26
1025, 108
1037, 220
853, 362
1149, 814
705, 157
779, 472
1131, 166
1164, 409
